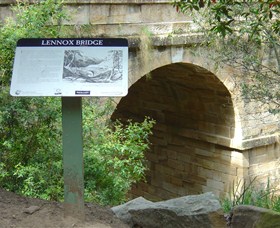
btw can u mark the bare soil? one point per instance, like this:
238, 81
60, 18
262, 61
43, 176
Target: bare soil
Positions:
18, 211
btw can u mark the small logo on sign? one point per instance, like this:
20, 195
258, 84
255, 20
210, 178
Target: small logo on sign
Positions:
80, 92
58, 92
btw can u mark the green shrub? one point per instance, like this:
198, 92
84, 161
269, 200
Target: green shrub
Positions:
29, 127
30, 137
113, 165
113, 152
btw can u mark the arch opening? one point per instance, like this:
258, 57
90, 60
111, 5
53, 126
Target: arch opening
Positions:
195, 122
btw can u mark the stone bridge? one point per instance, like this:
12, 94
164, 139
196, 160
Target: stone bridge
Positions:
207, 136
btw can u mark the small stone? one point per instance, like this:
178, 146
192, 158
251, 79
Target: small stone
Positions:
30, 210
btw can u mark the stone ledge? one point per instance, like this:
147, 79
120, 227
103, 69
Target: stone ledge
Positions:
123, 2
257, 142
228, 142
134, 39
165, 41
120, 1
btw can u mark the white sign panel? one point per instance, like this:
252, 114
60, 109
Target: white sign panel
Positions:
70, 67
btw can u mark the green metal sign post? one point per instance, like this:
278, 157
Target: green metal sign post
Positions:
71, 68
73, 157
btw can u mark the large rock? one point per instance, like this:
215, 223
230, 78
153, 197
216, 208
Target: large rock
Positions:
189, 211
123, 211
254, 217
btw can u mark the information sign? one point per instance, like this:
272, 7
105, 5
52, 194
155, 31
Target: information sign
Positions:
70, 67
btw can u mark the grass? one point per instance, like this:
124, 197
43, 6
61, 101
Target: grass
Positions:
252, 193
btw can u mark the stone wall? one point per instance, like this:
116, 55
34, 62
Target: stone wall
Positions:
265, 165
117, 18
193, 167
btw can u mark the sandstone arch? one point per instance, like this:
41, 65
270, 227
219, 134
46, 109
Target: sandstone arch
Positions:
195, 124
202, 140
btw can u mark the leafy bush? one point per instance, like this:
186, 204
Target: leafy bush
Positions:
114, 157
29, 127
31, 164
30, 138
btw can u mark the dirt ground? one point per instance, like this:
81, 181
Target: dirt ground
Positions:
17, 211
